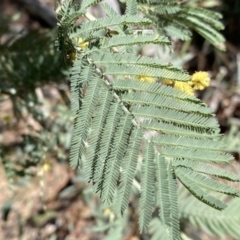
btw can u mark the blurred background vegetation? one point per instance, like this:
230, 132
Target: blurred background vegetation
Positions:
41, 196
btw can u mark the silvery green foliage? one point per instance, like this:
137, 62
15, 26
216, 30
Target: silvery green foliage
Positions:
114, 111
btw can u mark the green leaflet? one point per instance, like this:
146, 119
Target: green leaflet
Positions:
134, 40
163, 7
207, 182
129, 164
146, 200
91, 155
210, 17
202, 195
109, 10
131, 8
207, 169
170, 115
87, 27
111, 13
82, 125
87, 3
167, 197
187, 142
204, 29
131, 59
64, 10
217, 223
115, 157
175, 29
75, 86
196, 155
158, 100
181, 130
114, 116
203, 21
158, 230
145, 71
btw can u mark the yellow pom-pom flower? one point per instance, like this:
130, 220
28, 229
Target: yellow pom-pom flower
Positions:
184, 87
167, 81
109, 213
72, 56
145, 79
200, 80
82, 44
46, 167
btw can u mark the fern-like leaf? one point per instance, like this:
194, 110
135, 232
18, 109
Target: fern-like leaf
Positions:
207, 169
198, 192
216, 223
146, 200
81, 125
96, 131
87, 27
166, 197
131, 8
128, 171
87, 3
129, 40
114, 116
145, 71
115, 158
115, 111
206, 182
158, 230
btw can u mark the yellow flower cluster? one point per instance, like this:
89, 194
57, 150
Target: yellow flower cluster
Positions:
72, 56
200, 80
184, 87
82, 44
145, 78
109, 213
